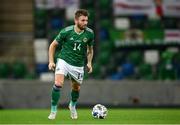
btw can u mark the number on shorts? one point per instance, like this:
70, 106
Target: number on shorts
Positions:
80, 75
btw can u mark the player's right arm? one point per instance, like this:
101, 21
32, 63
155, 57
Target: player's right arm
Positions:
59, 38
52, 49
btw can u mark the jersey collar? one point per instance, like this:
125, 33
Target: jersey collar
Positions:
77, 32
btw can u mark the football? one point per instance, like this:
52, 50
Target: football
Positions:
99, 111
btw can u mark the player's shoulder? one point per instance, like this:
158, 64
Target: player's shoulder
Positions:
68, 28
89, 30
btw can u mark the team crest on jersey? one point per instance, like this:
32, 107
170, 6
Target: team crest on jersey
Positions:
85, 40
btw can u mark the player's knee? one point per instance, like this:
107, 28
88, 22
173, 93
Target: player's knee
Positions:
56, 87
59, 79
59, 84
76, 88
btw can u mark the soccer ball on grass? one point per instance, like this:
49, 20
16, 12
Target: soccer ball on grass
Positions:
99, 111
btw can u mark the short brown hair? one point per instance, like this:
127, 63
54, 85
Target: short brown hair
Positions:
81, 12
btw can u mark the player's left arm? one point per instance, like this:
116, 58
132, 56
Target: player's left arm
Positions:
90, 53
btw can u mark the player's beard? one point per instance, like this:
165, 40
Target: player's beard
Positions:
81, 27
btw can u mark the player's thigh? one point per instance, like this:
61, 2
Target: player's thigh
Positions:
60, 72
61, 67
76, 73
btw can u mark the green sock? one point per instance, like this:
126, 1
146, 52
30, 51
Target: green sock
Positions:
74, 97
55, 98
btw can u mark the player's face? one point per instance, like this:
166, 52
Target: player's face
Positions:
81, 22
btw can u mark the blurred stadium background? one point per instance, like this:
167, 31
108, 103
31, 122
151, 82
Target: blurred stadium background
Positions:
136, 61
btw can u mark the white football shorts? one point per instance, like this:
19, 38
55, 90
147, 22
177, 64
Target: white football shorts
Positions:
75, 72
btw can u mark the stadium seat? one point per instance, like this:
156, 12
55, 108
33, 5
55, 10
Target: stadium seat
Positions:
86, 3
105, 14
167, 55
177, 70
105, 23
56, 23
19, 69
40, 13
52, 34
103, 57
91, 15
69, 13
41, 67
135, 57
119, 57
4, 70
117, 76
166, 71
176, 63
40, 33
137, 21
170, 23
112, 65
40, 23
128, 69
69, 22
121, 23
145, 71
137, 24
116, 34
30, 76
96, 70
106, 46
104, 4
56, 13
151, 57
154, 34
104, 34
154, 24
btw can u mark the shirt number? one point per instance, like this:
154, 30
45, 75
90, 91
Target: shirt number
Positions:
77, 46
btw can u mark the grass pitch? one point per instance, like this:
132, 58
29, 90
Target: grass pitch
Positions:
115, 116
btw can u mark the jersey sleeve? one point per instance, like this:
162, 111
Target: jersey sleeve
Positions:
91, 40
61, 36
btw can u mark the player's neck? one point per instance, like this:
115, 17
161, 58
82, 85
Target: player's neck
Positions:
77, 30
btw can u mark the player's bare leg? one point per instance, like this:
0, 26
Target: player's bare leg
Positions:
59, 80
74, 96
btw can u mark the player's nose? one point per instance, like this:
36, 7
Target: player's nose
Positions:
85, 23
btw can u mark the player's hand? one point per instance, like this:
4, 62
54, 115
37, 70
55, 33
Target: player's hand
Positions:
89, 68
52, 66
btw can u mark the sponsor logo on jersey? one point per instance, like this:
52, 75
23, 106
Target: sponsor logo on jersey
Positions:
85, 40
78, 41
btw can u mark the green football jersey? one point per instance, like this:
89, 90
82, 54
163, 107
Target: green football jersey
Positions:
74, 45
